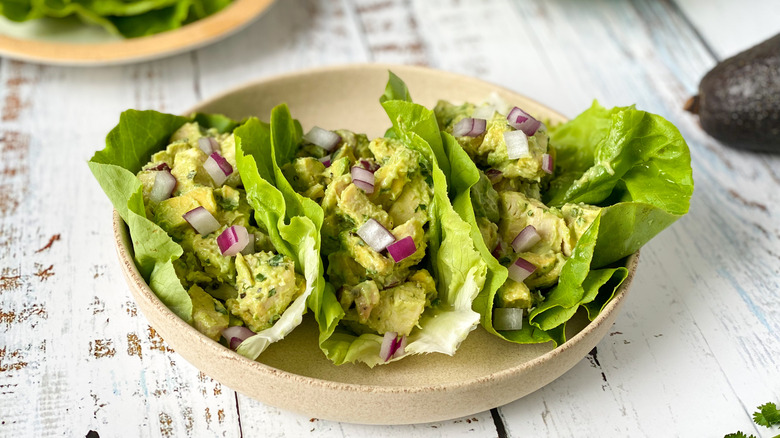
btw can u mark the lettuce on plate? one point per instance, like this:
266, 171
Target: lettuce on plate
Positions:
459, 271
131, 144
128, 18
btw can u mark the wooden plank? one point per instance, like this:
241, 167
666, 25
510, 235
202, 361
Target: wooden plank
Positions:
392, 32
257, 419
730, 27
291, 35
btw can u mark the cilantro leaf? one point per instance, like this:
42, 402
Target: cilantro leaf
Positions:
767, 415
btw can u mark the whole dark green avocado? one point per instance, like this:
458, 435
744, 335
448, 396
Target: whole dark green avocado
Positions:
739, 99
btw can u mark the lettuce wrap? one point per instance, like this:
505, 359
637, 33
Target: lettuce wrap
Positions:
372, 300
620, 177
268, 284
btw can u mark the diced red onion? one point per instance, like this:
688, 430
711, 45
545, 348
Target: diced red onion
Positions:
507, 318
218, 168
401, 347
200, 219
526, 239
548, 163
391, 345
208, 145
233, 240
521, 269
498, 250
366, 187
402, 249
323, 138
250, 246
325, 160
484, 112
516, 144
494, 175
523, 121
161, 166
375, 235
363, 178
369, 166
469, 127
236, 335
164, 185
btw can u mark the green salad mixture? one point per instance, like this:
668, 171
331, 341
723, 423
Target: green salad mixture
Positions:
399, 245
128, 18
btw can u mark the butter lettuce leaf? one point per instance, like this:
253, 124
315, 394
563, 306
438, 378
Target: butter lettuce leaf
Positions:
634, 163
128, 18
460, 270
128, 147
293, 225
296, 221
465, 176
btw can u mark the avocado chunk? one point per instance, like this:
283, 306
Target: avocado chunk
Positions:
514, 294
209, 316
266, 284
739, 99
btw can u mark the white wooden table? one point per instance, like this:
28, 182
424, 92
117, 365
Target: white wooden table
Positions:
694, 351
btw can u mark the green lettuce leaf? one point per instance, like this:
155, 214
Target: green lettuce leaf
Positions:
634, 163
293, 234
296, 221
395, 90
129, 18
464, 176
459, 269
128, 147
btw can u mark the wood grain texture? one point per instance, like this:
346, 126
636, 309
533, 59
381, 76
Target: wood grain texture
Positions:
694, 351
730, 27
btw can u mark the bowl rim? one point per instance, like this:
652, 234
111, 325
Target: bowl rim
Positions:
122, 236
364, 66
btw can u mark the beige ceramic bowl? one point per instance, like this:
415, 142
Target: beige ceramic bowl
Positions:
293, 374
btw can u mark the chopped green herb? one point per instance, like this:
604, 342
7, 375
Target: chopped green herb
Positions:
260, 277
276, 260
271, 292
220, 309
226, 203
